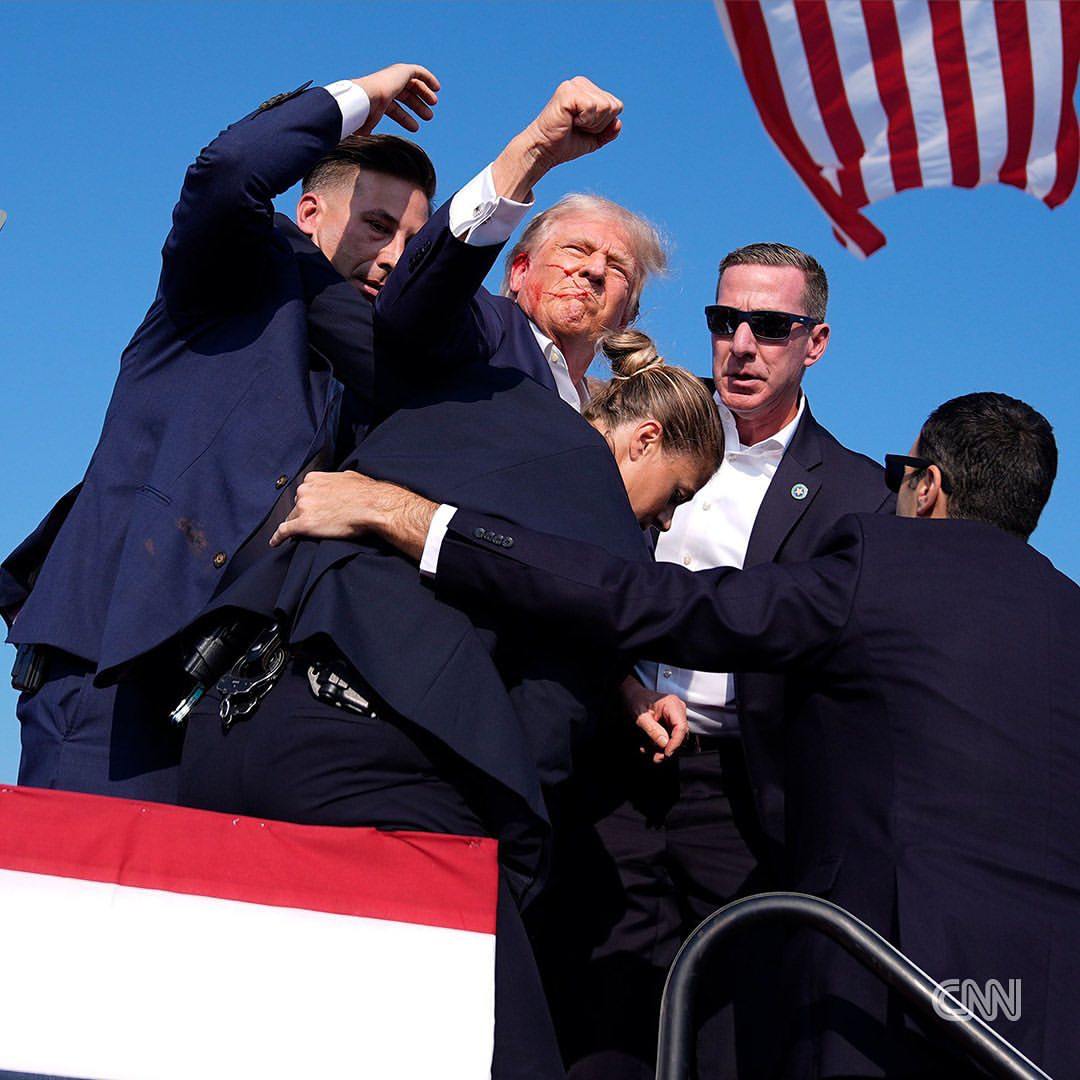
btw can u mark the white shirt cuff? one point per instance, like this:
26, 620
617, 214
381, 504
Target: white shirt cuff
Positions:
481, 217
353, 102
429, 561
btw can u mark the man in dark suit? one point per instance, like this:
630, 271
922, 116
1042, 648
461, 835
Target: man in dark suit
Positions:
226, 393
931, 772
578, 271
684, 839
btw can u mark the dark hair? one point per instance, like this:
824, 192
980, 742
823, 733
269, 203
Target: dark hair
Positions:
816, 290
643, 387
1000, 455
385, 154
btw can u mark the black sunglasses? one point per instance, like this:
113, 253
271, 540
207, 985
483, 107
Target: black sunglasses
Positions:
764, 325
894, 471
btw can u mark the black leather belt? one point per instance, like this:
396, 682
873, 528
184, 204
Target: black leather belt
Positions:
710, 744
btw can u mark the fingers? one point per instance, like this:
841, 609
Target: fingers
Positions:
400, 116
651, 727
285, 530
426, 82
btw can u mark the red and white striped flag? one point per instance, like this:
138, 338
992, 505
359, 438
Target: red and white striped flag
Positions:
869, 98
143, 941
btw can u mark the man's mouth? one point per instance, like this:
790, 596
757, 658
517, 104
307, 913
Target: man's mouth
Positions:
368, 287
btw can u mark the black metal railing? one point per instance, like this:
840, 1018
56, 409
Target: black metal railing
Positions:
977, 1039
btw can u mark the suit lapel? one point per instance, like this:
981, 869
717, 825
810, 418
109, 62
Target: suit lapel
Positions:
790, 494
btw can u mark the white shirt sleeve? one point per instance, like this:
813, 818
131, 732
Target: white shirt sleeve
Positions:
481, 217
353, 102
429, 561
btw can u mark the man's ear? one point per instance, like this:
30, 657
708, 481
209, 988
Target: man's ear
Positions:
930, 500
518, 269
819, 341
648, 437
308, 213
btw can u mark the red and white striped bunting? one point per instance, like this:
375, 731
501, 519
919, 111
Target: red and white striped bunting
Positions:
868, 99
145, 941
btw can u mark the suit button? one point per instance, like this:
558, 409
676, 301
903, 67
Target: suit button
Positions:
478, 533
489, 536
508, 541
499, 538
220, 559
280, 482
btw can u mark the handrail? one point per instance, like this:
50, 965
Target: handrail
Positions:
675, 1052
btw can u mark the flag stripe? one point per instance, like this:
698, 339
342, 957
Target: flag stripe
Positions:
828, 84
423, 878
754, 51
104, 980
883, 34
924, 83
793, 74
948, 36
1068, 143
1044, 27
987, 87
1014, 45
857, 71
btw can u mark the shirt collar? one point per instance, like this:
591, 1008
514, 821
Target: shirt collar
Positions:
774, 445
560, 370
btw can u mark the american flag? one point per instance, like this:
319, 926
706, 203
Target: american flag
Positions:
869, 98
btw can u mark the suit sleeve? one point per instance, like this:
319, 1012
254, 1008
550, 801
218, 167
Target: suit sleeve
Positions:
223, 221
770, 618
434, 307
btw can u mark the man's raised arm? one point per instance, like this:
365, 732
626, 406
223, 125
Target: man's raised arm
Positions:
429, 304
224, 216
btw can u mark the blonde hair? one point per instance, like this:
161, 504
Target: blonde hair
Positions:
645, 387
646, 243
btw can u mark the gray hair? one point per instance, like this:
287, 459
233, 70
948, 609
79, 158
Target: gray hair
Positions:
646, 244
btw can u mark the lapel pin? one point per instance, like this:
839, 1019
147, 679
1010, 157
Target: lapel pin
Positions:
799, 491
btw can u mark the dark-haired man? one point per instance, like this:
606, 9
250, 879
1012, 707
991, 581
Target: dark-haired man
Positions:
932, 767
227, 393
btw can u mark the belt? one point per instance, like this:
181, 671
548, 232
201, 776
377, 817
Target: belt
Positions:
710, 744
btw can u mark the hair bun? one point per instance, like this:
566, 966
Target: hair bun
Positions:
630, 353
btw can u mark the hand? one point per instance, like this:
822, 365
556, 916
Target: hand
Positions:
662, 717
579, 118
395, 87
329, 506
346, 505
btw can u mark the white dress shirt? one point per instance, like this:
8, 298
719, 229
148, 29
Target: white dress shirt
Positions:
711, 530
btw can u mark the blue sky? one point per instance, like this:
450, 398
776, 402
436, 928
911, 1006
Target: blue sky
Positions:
102, 107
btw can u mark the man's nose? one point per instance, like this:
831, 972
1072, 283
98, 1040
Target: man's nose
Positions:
743, 341
664, 518
594, 267
389, 255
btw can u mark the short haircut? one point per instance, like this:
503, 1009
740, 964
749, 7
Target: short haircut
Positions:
386, 154
646, 244
645, 387
1000, 456
815, 291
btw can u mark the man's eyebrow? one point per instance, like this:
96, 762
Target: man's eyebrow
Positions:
616, 255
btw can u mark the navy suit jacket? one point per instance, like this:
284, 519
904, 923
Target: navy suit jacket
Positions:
838, 481
224, 393
434, 306
510, 699
932, 767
